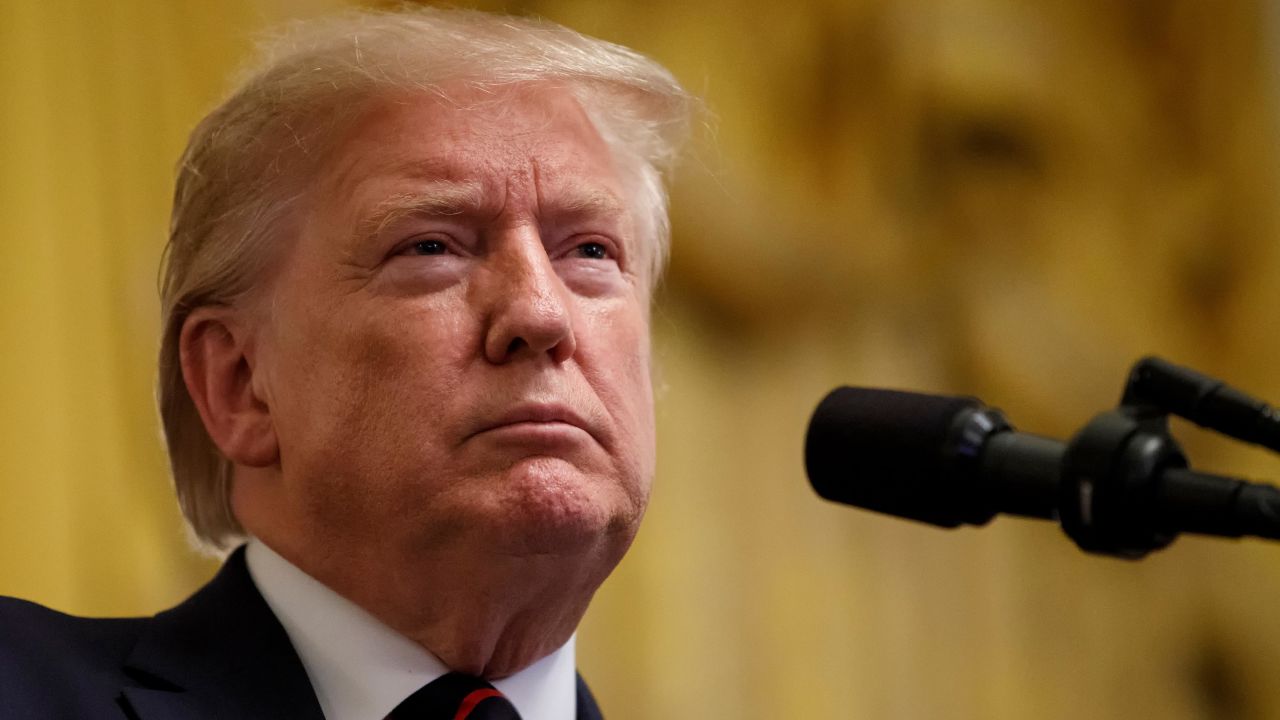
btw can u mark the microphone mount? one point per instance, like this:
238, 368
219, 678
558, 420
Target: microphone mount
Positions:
1112, 471
1125, 487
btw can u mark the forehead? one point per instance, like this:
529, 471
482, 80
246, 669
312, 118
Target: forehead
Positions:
483, 143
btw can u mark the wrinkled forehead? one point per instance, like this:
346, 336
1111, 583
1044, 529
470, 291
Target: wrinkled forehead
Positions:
475, 139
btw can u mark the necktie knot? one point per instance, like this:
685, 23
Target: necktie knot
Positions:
456, 696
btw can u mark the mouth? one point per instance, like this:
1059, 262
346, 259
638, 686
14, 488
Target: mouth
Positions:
538, 420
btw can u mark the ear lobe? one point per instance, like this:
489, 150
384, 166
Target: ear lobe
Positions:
217, 369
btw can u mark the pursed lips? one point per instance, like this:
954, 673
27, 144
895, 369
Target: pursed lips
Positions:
538, 414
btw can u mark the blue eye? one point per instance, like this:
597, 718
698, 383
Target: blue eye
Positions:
593, 250
426, 247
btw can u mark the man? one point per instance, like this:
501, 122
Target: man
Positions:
405, 373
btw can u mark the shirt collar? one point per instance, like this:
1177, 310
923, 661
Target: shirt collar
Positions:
361, 669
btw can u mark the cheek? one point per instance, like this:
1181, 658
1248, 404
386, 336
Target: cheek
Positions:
366, 390
639, 434
642, 371
623, 380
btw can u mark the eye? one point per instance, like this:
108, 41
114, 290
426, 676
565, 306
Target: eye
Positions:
593, 251
426, 247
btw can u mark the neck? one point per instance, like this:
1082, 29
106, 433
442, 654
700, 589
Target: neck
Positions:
487, 598
491, 622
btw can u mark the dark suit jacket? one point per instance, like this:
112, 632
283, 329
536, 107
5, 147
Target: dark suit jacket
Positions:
221, 654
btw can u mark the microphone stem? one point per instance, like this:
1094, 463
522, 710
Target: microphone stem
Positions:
1216, 505
1020, 473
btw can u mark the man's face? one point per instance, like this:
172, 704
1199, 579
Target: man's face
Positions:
456, 346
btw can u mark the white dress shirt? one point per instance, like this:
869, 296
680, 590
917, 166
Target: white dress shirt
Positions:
361, 669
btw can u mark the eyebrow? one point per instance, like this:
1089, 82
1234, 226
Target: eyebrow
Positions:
441, 198
588, 202
452, 198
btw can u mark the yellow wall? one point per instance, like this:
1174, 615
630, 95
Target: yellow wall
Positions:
1007, 199
98, 98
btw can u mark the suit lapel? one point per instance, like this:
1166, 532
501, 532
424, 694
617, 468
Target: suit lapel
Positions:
587, 707
220, 654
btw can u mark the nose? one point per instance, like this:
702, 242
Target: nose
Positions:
530, 306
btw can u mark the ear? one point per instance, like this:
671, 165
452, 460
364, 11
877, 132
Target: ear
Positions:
218, 367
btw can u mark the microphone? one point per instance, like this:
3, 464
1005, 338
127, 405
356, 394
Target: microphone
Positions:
1119, 487
943, 460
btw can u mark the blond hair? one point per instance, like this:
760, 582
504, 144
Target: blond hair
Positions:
246, 162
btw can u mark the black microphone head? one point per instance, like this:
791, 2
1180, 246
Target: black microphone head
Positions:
887, 450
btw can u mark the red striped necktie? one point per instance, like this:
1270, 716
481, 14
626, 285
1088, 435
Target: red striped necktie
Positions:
456, 697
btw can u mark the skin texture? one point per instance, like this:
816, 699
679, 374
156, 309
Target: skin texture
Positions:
454, 263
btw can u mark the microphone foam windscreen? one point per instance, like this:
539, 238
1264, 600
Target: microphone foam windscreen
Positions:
885, 450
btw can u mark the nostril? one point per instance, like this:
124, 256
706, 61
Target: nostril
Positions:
514, 346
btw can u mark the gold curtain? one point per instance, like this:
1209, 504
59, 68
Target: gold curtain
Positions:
98, 99
1012, 200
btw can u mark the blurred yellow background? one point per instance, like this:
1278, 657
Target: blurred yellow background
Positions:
993, 197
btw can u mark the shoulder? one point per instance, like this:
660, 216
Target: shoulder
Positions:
32, 631
49, 658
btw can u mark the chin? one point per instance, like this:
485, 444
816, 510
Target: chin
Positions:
553, 507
